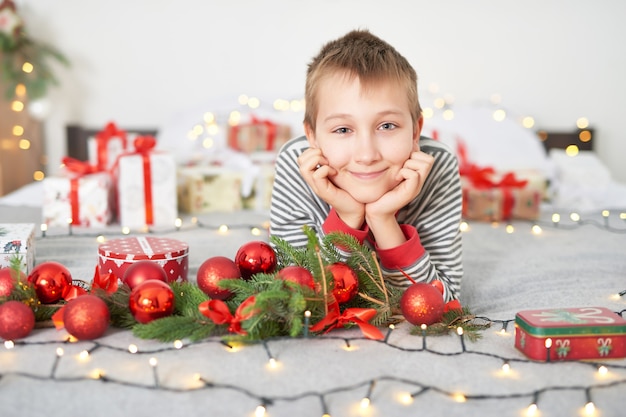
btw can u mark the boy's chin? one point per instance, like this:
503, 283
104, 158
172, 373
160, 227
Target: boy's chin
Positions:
365, 198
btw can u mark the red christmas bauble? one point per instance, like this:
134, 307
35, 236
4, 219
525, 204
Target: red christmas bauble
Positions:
17, 320
298, 274
255, 257
346, 282
86, 317
212, 271
8, 279
151, 300
51, 281
422, 304
141, 271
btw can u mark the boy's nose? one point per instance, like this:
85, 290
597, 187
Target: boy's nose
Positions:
366, 149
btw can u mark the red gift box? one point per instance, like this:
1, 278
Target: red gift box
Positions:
116, 255
570, 334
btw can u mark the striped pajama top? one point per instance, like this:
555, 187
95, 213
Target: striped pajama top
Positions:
433, 250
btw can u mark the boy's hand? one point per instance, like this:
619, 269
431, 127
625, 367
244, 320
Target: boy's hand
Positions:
316, 172
412, 177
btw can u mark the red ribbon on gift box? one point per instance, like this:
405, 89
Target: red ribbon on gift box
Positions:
271, 129
79, 169
144, 146
103, 137
481, 178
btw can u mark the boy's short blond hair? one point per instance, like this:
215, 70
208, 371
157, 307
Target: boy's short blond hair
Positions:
360, 54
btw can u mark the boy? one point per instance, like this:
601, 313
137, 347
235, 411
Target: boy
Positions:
363, 169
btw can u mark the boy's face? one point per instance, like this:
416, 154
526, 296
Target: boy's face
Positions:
366, 135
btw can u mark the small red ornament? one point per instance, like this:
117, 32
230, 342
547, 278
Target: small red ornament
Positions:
86, 317
17, 320
141, 271
212, 271
255, 257
151, 300
298, 274
422, 304
346, 282
8, 279
51, 280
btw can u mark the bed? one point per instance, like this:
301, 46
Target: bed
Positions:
509, 267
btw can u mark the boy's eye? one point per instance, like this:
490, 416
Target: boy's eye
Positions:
387, 126
342, 130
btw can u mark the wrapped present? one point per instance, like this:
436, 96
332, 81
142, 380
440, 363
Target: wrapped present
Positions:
80, 195
502, 202
258, 136
18, 239
106, 146
204, 189
116, 255
570, 334
146, 186
260, 197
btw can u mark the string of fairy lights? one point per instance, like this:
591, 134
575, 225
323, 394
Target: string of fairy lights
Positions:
613, 221
367, 387
365, 391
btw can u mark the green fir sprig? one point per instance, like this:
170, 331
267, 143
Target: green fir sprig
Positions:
452, 320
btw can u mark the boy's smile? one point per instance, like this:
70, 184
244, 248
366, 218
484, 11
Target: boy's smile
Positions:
366, 134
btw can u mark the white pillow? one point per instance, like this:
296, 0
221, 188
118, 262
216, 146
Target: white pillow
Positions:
504, 145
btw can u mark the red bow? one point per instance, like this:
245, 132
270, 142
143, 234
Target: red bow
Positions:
144, 144
110, 131
359, 316
481, 177
78, 167
218, 311
106, 282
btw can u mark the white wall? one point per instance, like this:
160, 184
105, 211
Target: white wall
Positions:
139, 62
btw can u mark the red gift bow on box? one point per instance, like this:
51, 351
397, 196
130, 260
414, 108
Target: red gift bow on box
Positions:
481, 178
109, 132
359, 316
218, 311
80, 169
272, 131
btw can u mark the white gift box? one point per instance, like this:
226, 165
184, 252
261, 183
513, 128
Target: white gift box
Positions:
146, 198
108, 151
106, 146
203, 189
84, 201
17, 239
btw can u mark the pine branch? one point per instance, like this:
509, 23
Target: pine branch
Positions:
453, 319
171, 328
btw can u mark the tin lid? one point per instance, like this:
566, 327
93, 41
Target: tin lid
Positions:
571, 321
143, 247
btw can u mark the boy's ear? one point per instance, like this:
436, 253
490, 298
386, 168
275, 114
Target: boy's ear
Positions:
418, 130
310, 135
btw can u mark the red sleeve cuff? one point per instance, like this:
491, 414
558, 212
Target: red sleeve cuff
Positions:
334, 224
404, 255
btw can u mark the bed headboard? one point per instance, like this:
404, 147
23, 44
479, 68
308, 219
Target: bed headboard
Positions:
77, 137
582, 138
